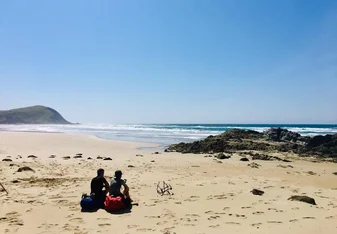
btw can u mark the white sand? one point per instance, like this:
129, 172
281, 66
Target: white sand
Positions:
209, 197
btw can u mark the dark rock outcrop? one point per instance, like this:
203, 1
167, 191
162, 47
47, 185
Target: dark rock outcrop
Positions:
21, 169
268, 158
257, 192
228, 141
324, 146
7, 160
274, 139
32, 156
280, 134
244, 159
222, 156
303, 199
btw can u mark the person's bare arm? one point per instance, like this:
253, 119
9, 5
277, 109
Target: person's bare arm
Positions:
126, 189
107, 187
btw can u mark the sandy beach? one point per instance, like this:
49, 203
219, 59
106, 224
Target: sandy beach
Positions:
209, 196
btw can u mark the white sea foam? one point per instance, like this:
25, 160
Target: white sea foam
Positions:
165, 134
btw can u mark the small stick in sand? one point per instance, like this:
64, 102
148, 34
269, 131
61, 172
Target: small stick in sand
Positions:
4, 189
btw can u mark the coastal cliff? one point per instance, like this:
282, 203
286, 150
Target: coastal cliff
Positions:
32, 115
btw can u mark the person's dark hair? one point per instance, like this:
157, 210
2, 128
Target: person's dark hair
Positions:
100, 172
118, 174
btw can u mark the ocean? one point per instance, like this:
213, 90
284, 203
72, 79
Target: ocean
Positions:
164, 134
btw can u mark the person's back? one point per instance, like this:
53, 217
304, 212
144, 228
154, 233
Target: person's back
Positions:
97, 185
116, 185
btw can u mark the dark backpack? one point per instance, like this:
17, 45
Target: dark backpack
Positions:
89, 203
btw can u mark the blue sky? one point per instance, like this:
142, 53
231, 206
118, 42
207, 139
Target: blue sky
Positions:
177, 61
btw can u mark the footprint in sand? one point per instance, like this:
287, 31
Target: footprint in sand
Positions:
132, 226
238, 215
151, 205
104, 224
190, 200
246, 207
214, 226
293, 220
193, 215
145, 230
241, 216
258, 213
48, 225
68, 227
309, 218
161, 223
213, 217
189, 220
220, 213
256, 224
12, 218
278, 211
153, 217
233, 223
277, 222
77, 220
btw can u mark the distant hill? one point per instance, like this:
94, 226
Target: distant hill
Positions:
32, 115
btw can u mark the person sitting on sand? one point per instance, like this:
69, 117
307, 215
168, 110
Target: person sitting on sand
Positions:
97, 185
115, 188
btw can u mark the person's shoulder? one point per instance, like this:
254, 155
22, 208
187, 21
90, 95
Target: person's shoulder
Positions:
113, 180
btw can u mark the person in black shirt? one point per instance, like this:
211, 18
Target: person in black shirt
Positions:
97, 185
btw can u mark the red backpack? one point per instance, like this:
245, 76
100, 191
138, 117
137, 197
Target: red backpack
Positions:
114, 203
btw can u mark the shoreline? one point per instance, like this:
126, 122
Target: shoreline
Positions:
164, 134
145, 144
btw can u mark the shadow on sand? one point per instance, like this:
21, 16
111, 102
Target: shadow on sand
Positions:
118, 212
89, 210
